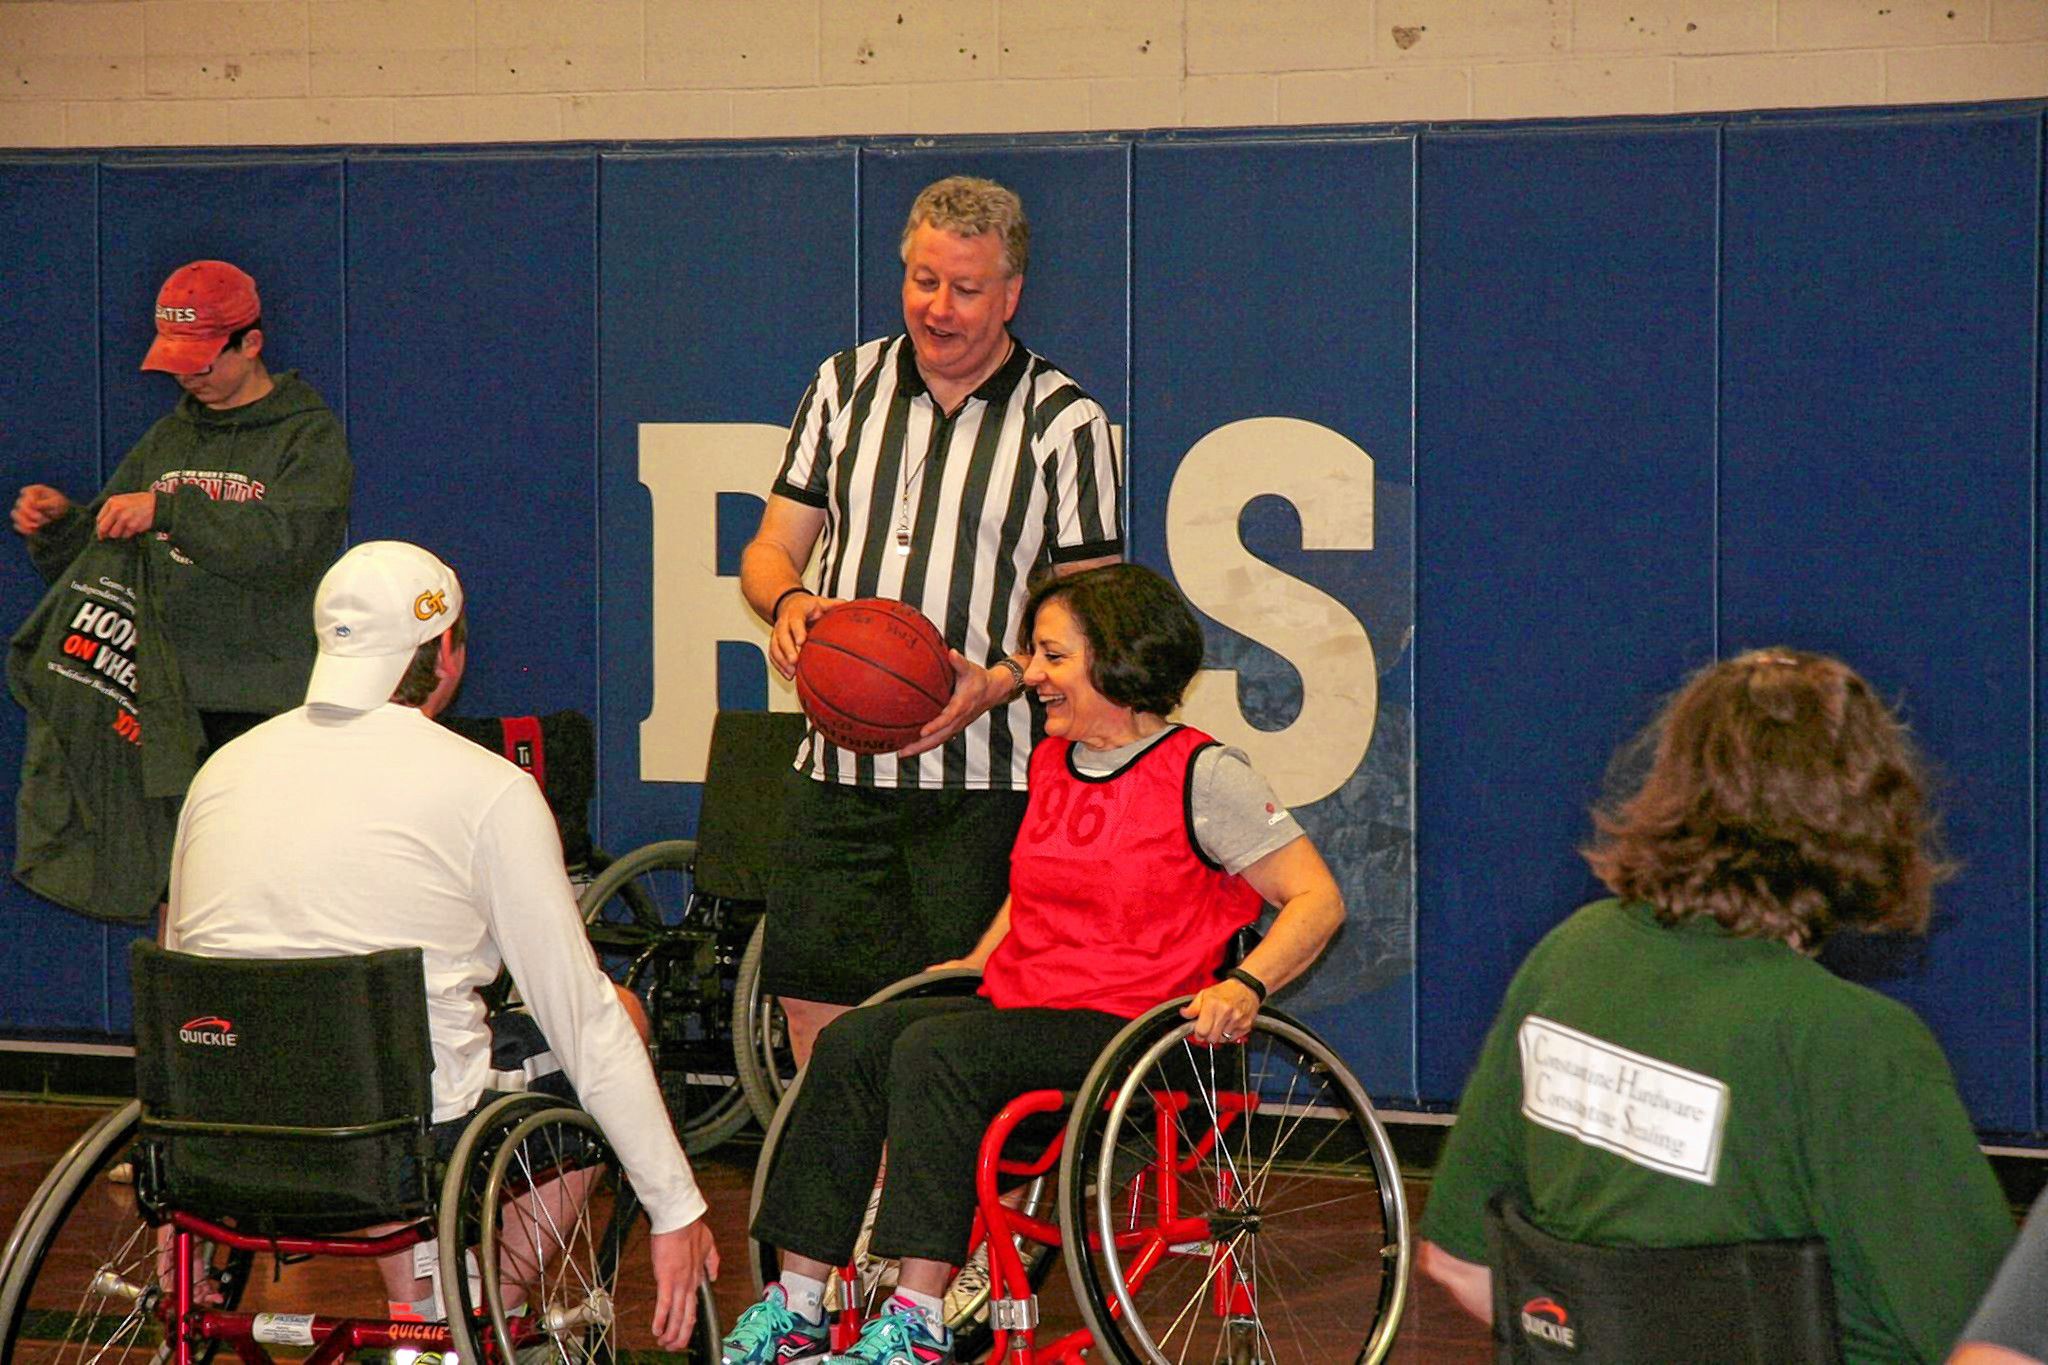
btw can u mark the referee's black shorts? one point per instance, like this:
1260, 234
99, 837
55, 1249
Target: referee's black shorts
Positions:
880, 883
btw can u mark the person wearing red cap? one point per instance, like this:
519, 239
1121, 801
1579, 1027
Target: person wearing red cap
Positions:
240, 498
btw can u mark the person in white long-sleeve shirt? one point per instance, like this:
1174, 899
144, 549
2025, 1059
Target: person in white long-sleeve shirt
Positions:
356, 823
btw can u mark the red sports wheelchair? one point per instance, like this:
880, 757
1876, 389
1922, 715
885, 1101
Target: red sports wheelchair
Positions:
284, 1107
1236, 1203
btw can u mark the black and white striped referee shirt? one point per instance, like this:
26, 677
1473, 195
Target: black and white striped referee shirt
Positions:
1023, 476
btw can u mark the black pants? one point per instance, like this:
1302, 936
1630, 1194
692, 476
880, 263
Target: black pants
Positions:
926, 1076
877, 883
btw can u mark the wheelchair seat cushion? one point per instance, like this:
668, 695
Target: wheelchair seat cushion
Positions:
246, 1069
1742, 1303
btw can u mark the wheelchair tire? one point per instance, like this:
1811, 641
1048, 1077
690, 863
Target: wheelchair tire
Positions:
760, 1036
631, 912
561, 1264
78, 1276
618, 902
966, 1304
1303, 1199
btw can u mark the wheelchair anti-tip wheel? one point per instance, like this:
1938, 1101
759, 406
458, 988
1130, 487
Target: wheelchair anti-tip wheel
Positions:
1231, 1203
667, 947
966, 1301
78, 1278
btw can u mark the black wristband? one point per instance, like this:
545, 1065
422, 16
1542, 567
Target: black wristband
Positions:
775, 611
1248, 981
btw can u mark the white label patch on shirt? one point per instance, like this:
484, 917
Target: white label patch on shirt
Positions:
1650, 1112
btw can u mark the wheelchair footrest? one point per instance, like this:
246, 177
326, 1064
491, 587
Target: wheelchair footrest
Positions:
1013, 1315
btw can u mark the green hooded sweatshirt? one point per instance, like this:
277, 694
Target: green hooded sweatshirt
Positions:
251, 508
98, 807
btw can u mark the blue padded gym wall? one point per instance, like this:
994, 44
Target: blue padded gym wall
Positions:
54, 975
1468, 442
1565, 489
1877, 494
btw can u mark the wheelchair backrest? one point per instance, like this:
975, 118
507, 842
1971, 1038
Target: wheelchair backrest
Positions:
1737, 1303
560, 750
292, 1092
739, 826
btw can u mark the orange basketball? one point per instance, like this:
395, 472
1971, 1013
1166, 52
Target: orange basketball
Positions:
873, 673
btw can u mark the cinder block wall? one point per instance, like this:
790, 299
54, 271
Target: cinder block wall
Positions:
102, 73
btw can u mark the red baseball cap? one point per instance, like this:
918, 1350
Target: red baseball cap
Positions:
198, 308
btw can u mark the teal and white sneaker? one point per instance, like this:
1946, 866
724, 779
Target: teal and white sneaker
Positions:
901, 1334
769, 1334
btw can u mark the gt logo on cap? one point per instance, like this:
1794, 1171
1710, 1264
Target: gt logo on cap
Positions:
428, 605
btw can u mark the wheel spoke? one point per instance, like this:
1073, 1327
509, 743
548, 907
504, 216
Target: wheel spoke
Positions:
82, 1285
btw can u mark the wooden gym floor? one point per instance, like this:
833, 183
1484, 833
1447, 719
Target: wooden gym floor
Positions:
34, 1133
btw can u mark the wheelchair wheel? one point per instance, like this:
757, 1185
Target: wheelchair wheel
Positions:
1280, 1234
967, 1297
760, 1035
538, 1221
641, 912
78, 1279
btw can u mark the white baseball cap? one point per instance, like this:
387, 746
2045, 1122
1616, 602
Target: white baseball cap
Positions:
379, 603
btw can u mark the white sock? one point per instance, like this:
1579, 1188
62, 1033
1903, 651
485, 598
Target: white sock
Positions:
806, 1296
933, 1308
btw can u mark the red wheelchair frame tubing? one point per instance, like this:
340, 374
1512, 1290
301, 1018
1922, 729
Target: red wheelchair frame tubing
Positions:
1143, 1246
185, 1323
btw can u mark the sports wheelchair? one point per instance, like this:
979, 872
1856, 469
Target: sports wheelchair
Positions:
284, 1107
679, 922
1237, 1202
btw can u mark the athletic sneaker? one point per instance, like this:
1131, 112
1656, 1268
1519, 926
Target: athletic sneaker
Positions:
968, 1295
902, 1334
769, 1333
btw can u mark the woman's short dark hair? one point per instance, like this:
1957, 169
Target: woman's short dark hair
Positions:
421, 677
1785, 799
1144, 645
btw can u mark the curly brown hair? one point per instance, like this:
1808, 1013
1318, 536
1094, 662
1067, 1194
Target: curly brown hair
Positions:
1785, 800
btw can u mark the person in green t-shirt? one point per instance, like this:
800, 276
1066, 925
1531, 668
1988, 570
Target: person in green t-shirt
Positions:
1672, 1068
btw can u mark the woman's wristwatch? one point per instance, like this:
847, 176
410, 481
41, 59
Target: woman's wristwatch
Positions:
1248, 981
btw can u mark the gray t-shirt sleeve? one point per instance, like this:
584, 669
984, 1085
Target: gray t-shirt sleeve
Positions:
2014, 1313
1238, 819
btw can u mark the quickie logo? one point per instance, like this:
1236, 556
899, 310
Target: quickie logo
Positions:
1546, 1320
208, 1030
428, 605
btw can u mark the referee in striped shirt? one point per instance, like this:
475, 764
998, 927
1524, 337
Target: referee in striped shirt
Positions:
945, 467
